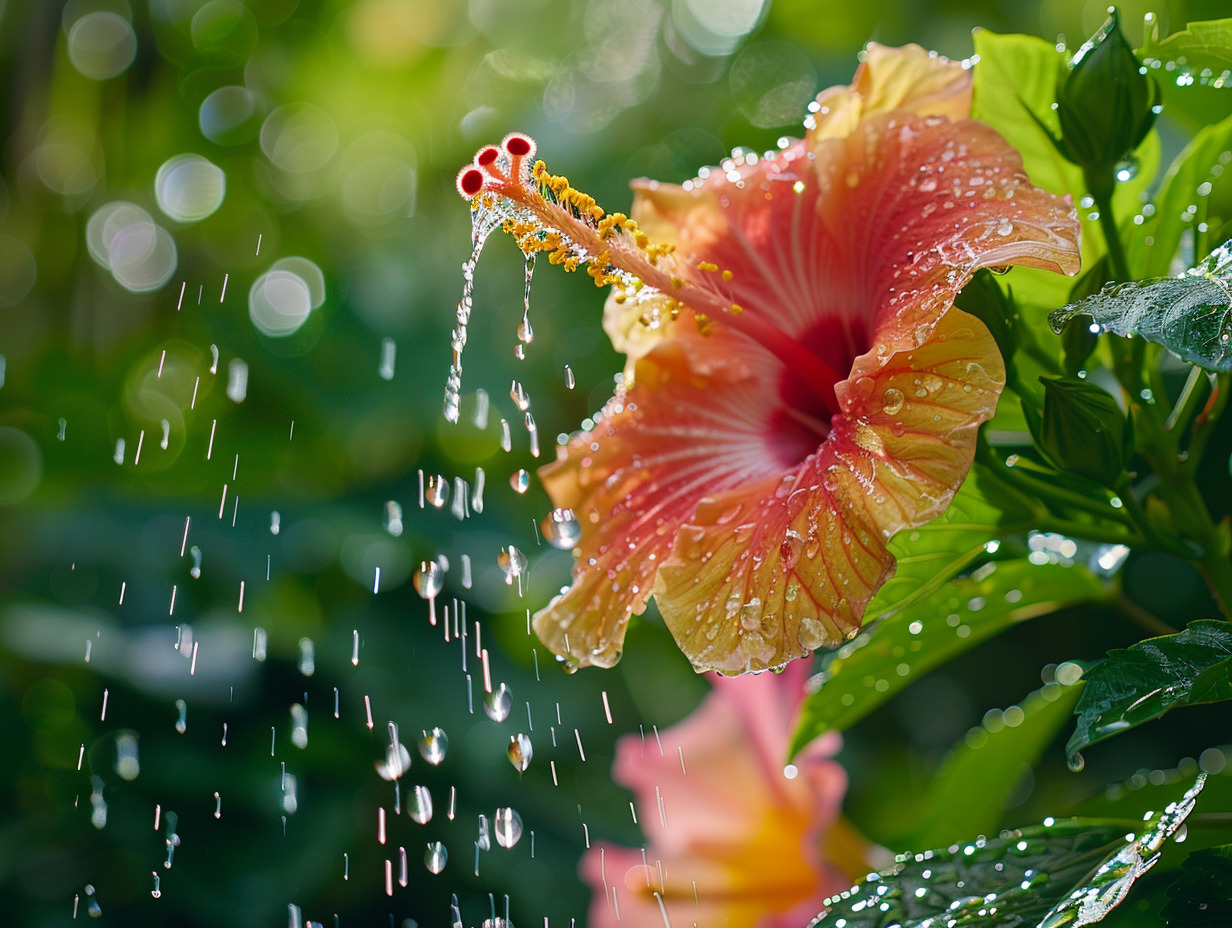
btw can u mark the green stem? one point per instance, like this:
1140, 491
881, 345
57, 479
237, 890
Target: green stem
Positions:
1190, 517
1101, 191
1186, 403
1204, 428
1141, 617
1033, 491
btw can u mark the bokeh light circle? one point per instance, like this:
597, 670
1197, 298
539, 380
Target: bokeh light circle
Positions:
106, 222
771, 83
307, 271
143, 257
102, 45
189, 187
21, 465
18, 270
230, 115
140, 254
299, 138
279, 303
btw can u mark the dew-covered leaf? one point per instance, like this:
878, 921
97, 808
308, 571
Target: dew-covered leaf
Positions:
969, 793
1190, 315
1067, 873
1201, 897
881, 661
1199, 45
1142, 682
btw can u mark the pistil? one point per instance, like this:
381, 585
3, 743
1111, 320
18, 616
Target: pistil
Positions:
544, 213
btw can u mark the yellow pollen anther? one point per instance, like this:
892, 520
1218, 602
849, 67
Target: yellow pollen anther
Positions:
707, 266
736, 308
727, 275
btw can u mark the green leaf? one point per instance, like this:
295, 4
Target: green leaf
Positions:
1200, 45
955, 617
1083, 430
969, 793
1190, 315
1201, 897
1197, 188
1068, 873
1142, 682
1015, 87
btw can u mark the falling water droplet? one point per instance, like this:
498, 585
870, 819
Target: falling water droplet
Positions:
237, 380
437, 492
181, 724
520, 751
498, 703
484, 841
508, 827
419, 805
517, 393
389, 352
512, 563
520, 480
570, 383
393, 518
433, 745
561, 529
429, 579
435, 856
92, 906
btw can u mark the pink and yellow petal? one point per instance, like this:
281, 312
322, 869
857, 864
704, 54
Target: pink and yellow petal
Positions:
916, 206
770, 571
913, 421
662, 445
907, 79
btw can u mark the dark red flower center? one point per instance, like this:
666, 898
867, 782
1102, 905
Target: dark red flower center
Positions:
801, 421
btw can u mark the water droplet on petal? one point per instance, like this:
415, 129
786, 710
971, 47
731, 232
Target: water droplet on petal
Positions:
892, 401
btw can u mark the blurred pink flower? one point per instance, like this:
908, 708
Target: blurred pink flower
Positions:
733, 841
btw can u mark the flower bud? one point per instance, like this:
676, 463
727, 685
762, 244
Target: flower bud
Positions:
1105, 103
1084, 431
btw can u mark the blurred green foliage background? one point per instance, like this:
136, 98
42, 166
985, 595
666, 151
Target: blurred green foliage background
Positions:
159, 158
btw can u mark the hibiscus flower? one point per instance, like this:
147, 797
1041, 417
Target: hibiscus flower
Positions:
733, 837
800, 387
